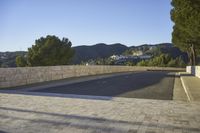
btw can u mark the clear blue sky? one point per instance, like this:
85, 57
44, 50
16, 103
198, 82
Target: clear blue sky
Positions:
84, 22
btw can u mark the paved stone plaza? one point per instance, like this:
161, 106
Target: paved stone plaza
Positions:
23, 113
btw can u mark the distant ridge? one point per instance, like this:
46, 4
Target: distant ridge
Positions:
100, 50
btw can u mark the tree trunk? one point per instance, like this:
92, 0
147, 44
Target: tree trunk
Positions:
193, 55
189, 57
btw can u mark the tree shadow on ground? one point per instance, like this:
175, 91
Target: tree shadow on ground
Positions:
43, 119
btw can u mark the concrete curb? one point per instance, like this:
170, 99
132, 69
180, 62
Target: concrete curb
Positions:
186, 89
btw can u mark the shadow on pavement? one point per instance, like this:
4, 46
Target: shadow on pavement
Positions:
90, 97
2, 131
83, 122
150, 85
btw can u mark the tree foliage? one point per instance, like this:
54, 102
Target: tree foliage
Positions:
49, 51
164, 60
186, 31
21, 61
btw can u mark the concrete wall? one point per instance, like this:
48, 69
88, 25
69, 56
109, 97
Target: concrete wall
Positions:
194, 70
27, 75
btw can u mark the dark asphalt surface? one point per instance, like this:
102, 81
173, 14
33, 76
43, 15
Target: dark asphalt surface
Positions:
150, 85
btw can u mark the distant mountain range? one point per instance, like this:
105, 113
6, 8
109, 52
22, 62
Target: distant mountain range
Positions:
102, 50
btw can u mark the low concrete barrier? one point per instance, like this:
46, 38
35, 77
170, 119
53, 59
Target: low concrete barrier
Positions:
194, 70
10, 77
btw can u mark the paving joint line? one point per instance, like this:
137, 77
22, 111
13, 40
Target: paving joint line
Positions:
186, 90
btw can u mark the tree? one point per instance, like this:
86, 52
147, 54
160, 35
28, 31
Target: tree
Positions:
186, 31
180, 62
50, 51
21, 61
172, 63
143, 63
129, 63
163, 60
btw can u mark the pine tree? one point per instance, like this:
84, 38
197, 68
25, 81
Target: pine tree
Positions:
186, 31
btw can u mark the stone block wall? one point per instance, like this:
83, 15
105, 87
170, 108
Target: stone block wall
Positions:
10, 77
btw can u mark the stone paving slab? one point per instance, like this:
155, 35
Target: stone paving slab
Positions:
21, 113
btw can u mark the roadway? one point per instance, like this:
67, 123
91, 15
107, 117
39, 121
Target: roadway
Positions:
148, 84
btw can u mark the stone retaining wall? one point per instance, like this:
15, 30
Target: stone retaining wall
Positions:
10, 77
194, 70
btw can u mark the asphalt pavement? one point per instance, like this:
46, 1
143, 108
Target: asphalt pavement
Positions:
148, 84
